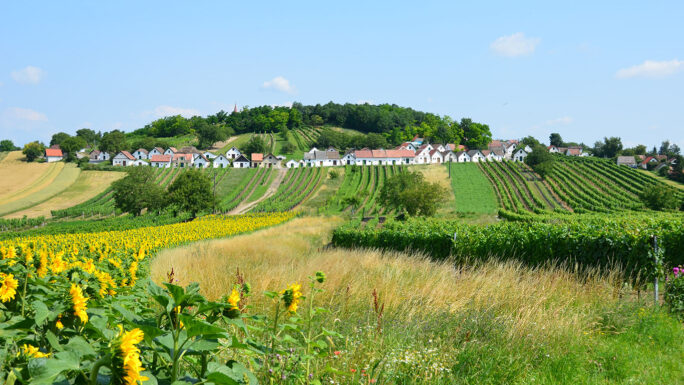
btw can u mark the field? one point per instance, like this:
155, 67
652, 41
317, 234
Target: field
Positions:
473, 192
20, 178
87, 185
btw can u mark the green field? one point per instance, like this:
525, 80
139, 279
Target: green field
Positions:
472, 191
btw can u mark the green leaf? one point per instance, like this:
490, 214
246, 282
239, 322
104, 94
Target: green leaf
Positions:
41, 312
125, 313
53, 341
46, 370
230, 374
196, 327
80, 347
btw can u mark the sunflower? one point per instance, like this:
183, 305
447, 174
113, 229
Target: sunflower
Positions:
291, 296
33, 352
79, 302
234, 299
127, 357
8, 288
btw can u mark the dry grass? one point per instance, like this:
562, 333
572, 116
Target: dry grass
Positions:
20, 178
87, 185
545, 301
40, 192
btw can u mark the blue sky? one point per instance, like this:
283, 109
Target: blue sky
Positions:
585, 69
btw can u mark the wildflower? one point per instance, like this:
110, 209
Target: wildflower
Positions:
234, 299
59, 325
33, 352
8, 288
127, 359
79, 302
337, 352
353, 370
42, 269
291, 297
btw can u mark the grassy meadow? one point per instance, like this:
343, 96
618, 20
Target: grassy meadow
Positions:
53, 182
474, 193
490, 323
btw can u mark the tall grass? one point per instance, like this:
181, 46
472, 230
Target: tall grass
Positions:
494, 322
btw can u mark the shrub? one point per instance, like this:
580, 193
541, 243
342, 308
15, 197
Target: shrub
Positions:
674, 292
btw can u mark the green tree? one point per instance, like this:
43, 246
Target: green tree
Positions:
408, 191
113, 142
255, 145
660, 197
294, 118
540, 160
475, 135
70, 147
7, 145
33, 150
608, 148
191, 192
208, 134
640, 149
91, 137
58, 138
556, 140
529, 141
136, 191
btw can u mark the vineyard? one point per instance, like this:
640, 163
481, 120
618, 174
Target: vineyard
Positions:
360, 189
298, 185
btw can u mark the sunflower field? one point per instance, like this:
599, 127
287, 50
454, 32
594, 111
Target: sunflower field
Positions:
79, 308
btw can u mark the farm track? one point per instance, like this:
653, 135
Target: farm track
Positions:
244, 207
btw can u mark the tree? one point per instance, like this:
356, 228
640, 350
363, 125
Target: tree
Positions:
255, 145
529, 141
664, 148
352, 200
137, 191
640, 149
408, 191
91, 137
660, 197
475, 135
555, 139
70, 147
608, 148
288, 148
540, 160
113, 142
7, 145
208, 134
33, 150
58, 138
191, 192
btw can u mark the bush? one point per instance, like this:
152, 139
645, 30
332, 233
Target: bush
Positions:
660, 197
674, 292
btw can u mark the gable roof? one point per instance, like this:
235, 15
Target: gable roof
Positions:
257, 157
241, 159
159, 149
220, 158
127, 155
629, 160
53, 152
486, 152
472, 153
187, 157
462, 153
645, 161
271, 158
141, 150
160, 158
233, 149
435, 151
173, 149
574, 151
363, 154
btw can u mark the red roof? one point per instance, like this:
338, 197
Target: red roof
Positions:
53, 152
647, 160
485, 152
363, 154
574, 151
160, 158
128, 155
256, 157
187, 157
173, 149
400, 153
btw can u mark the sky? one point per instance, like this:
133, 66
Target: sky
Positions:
586, 70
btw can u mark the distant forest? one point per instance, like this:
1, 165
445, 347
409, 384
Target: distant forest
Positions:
395, 123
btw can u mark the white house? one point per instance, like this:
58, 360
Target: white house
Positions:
201, 162
209, 155
182, 160
155, 151
139, 162
270, 161
519, 155
436, 156
171, 151
98, 156
241, 162
476, 156
509, 150
292, 164
123, 158
449, 156
440, 148
233, 153
553, 149
316, 158
349, 158
527, 149
423, 154
407, 146
221, 162
462, 157
141, 153
161, 161
53, 155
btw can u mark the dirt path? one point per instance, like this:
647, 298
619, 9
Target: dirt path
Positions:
220, 145
244, 207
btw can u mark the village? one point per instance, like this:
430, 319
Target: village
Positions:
415, 152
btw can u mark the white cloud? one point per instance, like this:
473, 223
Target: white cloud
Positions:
279, 83
163, 111
651, 69
558, 121
28, 75
18, 113
516, 44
